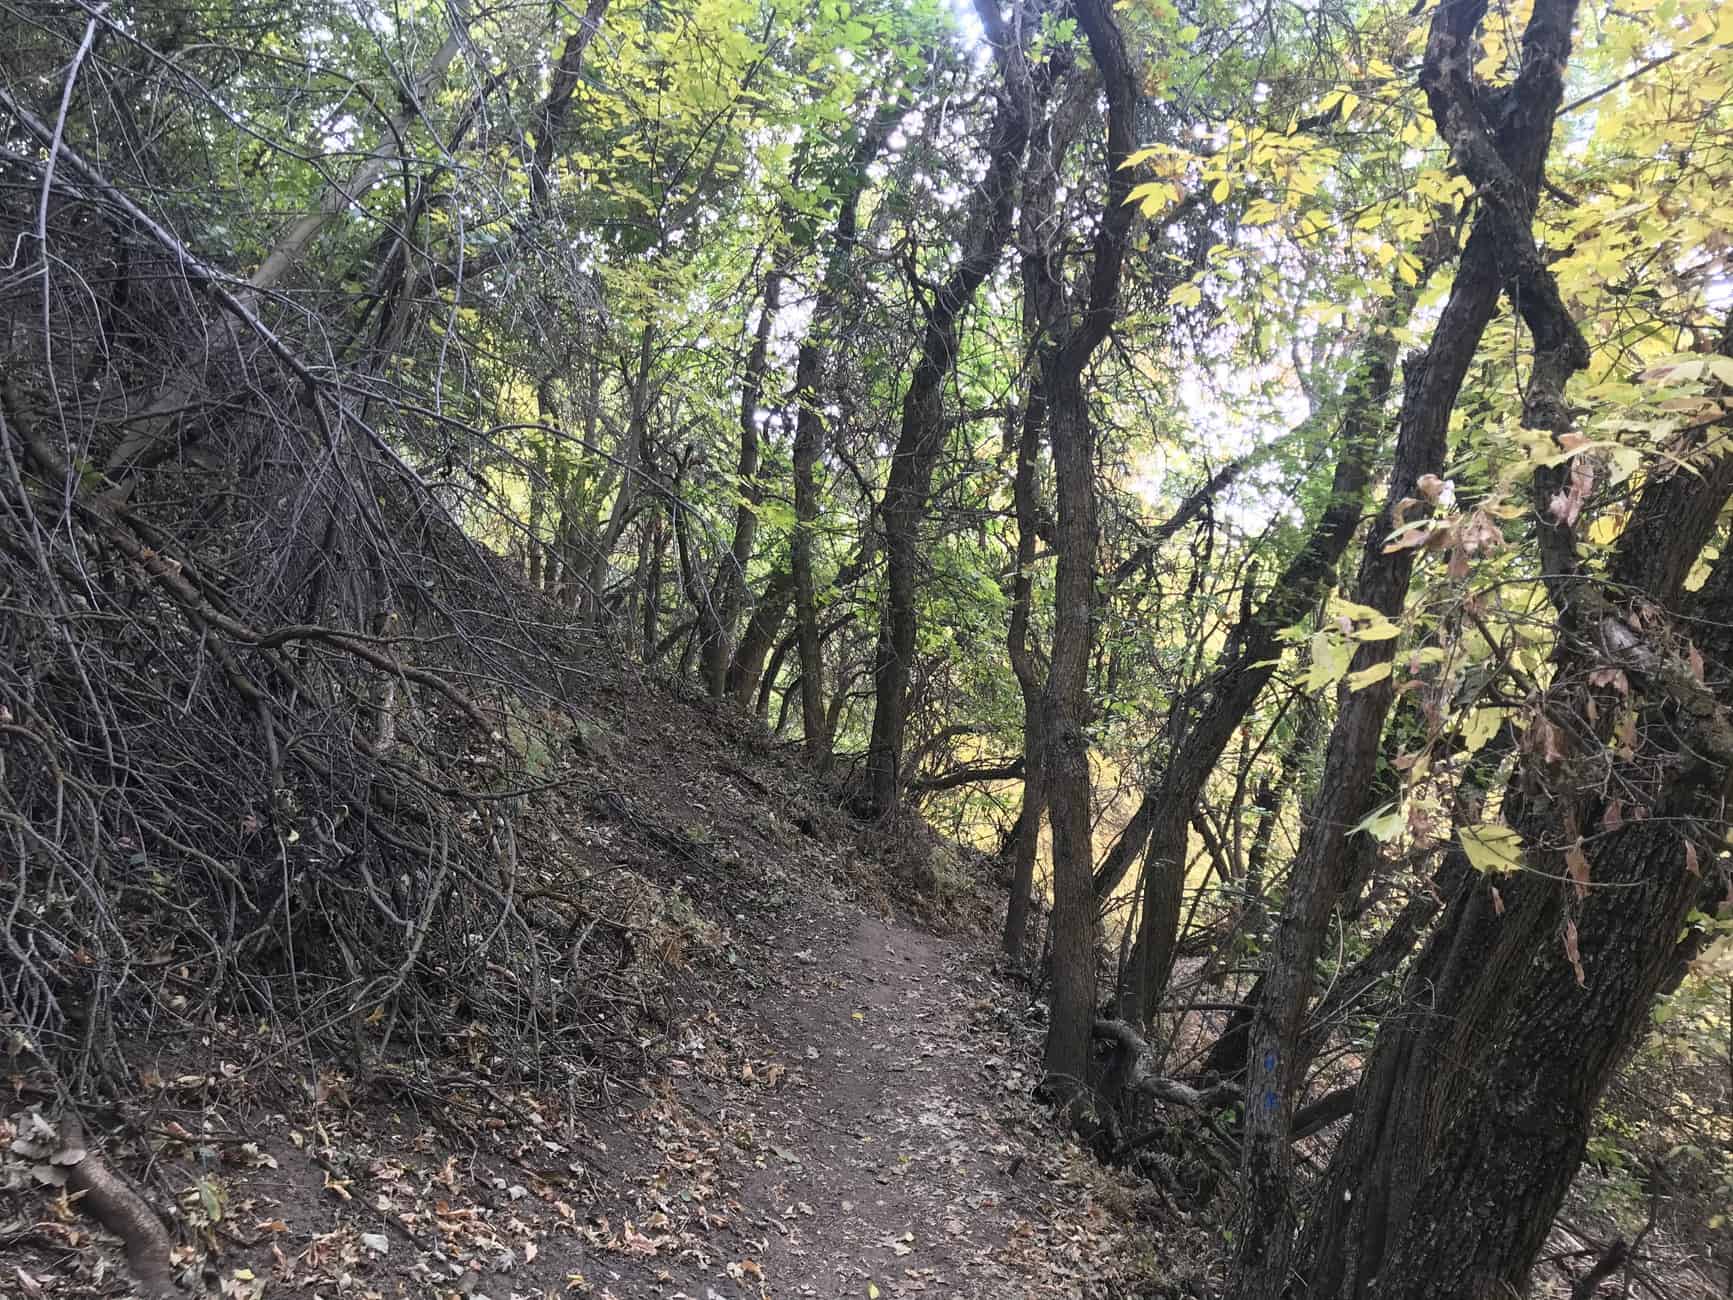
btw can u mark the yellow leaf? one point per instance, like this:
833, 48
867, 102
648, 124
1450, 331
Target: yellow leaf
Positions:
1382, 824
1220, 190
1383, 630
1366, 676
1480, 728
1261, 212
1331, 655
1496, 848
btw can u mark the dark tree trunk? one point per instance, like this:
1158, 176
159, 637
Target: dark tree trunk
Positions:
728, 591
921, 438
1534, 989
1027, 841
635, 459
1267, 802
656, 540
760, 637
1065, 702
809, 431
1043, 303
1319, 874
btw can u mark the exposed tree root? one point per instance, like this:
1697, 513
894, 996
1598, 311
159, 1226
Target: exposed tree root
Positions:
110, 1200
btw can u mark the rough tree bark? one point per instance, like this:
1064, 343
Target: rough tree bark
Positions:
1065, 701
809, 431
1043, 303
1506, 163
728, 589
1536, 992
921, 437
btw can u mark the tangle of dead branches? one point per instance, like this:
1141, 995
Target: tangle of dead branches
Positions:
263, 696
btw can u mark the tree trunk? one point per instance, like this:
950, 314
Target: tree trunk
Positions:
1533, 989
1065, 702
1043, 304
728, 591
656, 538
760, 636
809, 432
921, 437
635, 460
1506, 167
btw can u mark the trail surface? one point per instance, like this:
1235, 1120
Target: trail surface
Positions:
874, 1137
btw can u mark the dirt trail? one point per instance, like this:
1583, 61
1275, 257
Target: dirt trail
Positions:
858, 1124
828, 1104
876, 1139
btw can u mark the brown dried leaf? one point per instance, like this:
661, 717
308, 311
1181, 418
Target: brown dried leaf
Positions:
1545, 739
1571, 953
1614, 677
1443, 537
1691, 860
1577, 866
1411, 536
1567, 504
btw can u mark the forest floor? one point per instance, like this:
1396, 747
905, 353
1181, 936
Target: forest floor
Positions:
827, 1096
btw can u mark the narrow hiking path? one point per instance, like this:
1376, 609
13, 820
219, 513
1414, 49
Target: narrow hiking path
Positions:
846, 1114
876, 1137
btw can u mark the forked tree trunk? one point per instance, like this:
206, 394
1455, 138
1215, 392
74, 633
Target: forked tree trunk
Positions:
809, 434
1043, 302
728, 589
1065, 703
1320, 870
1448, 1180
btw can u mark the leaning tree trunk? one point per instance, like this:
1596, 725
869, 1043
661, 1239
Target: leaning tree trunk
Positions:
1199, 732
1043, 304
1517, 152
809, 431
728, 590
1534, 988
